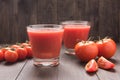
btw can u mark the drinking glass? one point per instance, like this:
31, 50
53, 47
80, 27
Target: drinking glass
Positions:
74, 32
46, 42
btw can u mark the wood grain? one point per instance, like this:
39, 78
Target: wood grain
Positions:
66, 10
4, 21
26, 15
88, 10
47, 11
119, 17
108, 19
15, 15
10, 71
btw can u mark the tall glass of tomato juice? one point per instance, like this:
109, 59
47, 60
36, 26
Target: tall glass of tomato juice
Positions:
46, 42
74, 32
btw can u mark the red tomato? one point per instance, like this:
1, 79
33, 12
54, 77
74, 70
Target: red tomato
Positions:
91, 66
86, 50
15, 46
25, 44
29, 51
104, 63
1, 56
106, 48
5, 49
11, 56
22, 53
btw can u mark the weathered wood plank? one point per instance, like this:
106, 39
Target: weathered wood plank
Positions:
81, 9
25, 13
15, 15
13, 22
66, 10
89, 10
30, 72
108, 19
4, 21
10, 71
47, 11
72, 69
91, 14
119, 17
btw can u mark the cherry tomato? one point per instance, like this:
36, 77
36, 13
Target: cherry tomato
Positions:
1, 56
86, 50
11, 56
106, 48
29, 51
27, 43
5, 49
91, 66
104, 63
22, 53
15, 46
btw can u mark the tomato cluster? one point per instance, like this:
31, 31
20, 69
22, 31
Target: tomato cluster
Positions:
16, 52
88, 51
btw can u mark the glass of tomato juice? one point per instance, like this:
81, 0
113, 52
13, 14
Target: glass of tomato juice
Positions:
46, 42
74, 32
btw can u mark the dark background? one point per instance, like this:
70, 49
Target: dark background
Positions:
15, 15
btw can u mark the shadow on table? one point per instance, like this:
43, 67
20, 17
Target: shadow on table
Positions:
45, 73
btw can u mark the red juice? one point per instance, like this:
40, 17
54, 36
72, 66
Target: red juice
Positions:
75, 33
46, 44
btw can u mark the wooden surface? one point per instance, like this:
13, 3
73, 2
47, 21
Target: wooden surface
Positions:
15, 15
70, 68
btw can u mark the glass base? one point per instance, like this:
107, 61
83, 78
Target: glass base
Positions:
69, 51
46, 62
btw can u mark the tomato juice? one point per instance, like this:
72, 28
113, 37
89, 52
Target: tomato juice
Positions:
46, 43
75, 33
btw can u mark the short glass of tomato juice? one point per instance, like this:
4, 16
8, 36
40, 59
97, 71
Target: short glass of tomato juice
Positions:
46, 41
74, 32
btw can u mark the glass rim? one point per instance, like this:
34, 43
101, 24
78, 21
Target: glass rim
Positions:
75, 22
44, 27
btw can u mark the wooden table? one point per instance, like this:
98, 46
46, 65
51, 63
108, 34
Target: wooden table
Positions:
70, 68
